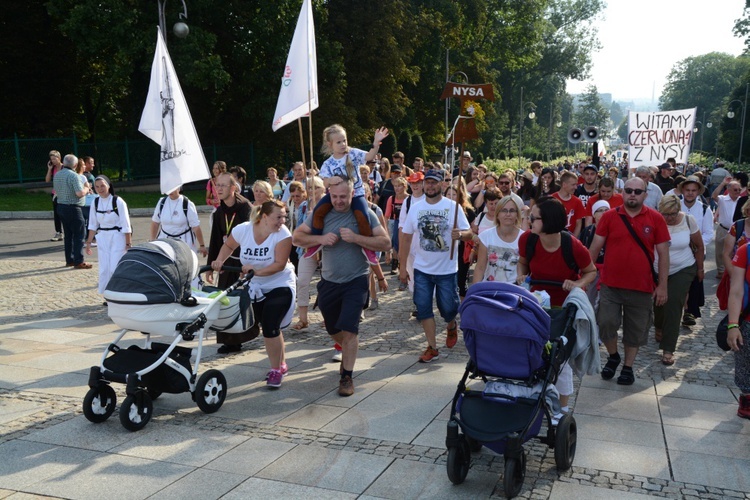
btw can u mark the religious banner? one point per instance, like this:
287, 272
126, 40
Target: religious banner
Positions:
465, 128
655, 136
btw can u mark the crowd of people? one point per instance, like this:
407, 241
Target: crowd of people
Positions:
633, 238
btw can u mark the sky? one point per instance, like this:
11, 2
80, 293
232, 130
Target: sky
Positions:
642, 40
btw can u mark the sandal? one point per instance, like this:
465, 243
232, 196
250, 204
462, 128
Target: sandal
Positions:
627, 377
300, 325
667, 359
610, 368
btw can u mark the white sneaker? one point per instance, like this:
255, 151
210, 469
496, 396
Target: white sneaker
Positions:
57, 237
336, 356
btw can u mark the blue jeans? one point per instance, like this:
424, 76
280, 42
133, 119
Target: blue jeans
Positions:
71, 217
445, 289
393, 227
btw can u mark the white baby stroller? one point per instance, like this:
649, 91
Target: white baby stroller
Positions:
150, 293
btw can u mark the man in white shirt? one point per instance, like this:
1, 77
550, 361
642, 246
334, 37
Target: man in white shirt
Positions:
430, 224
725, 206
691, 189
653, 192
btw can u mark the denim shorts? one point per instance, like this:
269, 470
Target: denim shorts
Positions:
445, 289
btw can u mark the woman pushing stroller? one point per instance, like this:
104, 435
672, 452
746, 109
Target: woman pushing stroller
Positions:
265, 243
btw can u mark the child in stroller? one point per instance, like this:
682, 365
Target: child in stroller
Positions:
516, 348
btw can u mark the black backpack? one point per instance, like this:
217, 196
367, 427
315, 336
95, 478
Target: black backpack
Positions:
184, 205
114, 205
566, 243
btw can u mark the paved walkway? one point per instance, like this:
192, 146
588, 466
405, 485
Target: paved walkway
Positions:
673, 434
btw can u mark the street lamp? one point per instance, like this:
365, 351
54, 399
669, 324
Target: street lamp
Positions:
731, 114
695, 131
532, 115
180, 29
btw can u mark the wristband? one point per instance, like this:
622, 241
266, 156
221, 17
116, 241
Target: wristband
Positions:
381, 279
732, 325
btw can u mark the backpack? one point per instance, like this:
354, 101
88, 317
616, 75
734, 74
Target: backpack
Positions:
114, 205
566, 244
184, 210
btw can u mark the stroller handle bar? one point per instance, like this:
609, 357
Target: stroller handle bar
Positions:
231, 269
546, 282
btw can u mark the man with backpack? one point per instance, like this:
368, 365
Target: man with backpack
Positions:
633, 233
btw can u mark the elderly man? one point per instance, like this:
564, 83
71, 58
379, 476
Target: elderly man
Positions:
629, 292
692, 203
725, 206
344, 283
653, 192
71, 192
298, 174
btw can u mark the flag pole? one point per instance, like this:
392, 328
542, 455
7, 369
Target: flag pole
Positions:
455, 214
309, 114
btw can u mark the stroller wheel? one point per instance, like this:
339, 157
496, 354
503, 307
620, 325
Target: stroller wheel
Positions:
515, 473
210, 391
99, 403
565, 442
459, 459
135, 411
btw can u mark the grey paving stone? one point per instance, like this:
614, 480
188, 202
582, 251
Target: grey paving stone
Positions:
711, 470
13, 409
250, 457
263, 488
640, 460
170, 444
641, 406
619, 430
26, 462
703, 415
111, 476
201, 483
312, 416
409, 479
80, 433
708, 442
697, 392
325, 468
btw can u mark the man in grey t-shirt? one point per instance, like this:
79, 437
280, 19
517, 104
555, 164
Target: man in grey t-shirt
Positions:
343, 289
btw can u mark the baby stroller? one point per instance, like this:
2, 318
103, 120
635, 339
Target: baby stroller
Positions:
150, 293
516, 348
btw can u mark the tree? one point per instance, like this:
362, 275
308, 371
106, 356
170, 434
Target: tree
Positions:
592, 112
704, 82
388, 147
404, 144
417, 148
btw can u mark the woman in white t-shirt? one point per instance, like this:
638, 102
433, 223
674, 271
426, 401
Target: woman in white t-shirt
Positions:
497, 248
685, 263
265, 243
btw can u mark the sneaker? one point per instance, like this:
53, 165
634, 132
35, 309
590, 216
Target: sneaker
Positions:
452, 337
688, 319
374, 304
346, 386
310, 252
430, 354
284, 369
394, 266
57, 237
274, 379
93, 243
556, 419
744, 409
337, 356
372, 258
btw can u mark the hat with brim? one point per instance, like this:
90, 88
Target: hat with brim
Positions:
415, 177
436, 175
693, 179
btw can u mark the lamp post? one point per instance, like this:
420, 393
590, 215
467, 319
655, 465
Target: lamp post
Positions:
731, 115
695, 131
532, 115
549, 135
180, 29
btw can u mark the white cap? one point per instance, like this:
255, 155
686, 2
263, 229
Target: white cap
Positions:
599, 205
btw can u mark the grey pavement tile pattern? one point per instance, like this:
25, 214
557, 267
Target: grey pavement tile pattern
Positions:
673, 434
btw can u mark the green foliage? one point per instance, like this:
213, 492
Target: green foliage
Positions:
480, 158
416, 149
388, 147
592, 112
404, 144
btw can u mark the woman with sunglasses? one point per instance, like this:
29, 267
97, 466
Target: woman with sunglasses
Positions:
685, 262
497, 249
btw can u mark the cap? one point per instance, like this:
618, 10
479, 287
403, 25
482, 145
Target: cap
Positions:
666, 165
395, 168
599, 205
466, 154
590, 167
434, 174
416, 177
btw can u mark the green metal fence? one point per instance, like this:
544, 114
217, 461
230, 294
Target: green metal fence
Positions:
25, 160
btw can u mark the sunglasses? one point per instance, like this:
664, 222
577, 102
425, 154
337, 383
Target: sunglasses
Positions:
637, 192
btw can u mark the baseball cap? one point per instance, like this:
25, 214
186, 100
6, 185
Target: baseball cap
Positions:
415, 177
590, 167
395, 168
666, 165
434, 174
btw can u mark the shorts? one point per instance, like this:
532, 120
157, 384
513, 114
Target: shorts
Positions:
342, 303
635, 310
444, 287
270, 312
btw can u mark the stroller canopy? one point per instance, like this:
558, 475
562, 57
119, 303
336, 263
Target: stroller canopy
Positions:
157, 272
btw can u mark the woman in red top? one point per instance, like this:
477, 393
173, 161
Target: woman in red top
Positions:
392, 212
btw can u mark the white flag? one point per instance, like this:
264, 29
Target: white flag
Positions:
166, 121
299, 84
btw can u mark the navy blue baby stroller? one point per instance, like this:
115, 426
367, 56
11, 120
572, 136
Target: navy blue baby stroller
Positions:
516, 349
